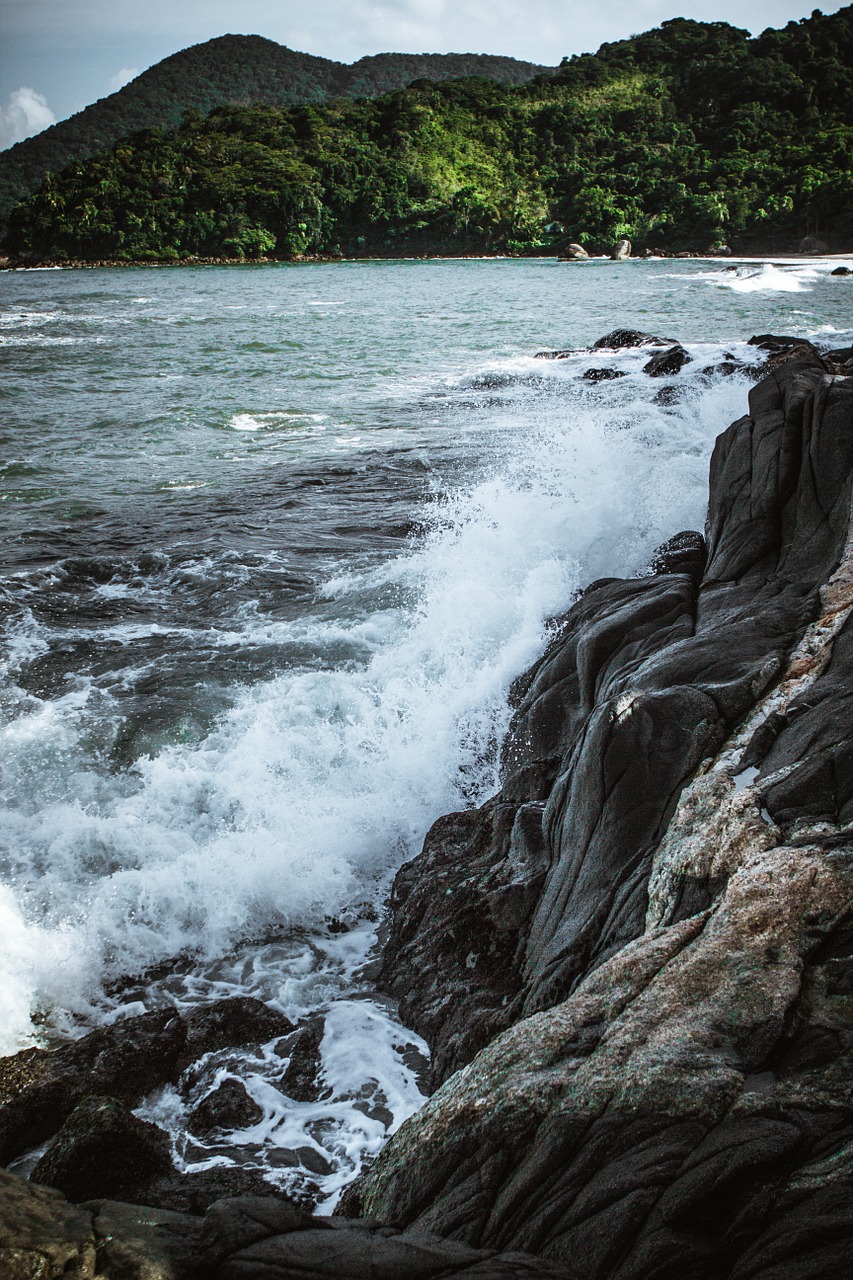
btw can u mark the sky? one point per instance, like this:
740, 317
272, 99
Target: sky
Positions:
57, 56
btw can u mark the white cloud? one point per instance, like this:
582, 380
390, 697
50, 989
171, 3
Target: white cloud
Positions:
123, 77
25, 113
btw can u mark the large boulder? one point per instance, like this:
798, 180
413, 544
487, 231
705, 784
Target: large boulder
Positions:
621, 249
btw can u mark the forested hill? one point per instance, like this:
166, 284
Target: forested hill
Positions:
246, 70
690, 135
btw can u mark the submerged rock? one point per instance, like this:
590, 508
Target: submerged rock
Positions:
667, 362
228, 1106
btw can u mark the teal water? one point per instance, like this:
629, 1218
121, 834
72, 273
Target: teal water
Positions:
276, 541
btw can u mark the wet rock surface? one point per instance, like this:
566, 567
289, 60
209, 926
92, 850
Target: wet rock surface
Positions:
228, 1106
125, 1061
668, 1090
103, 1149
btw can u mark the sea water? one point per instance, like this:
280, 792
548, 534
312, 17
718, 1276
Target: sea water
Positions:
276, 541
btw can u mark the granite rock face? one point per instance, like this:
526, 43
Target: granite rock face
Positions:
650, 927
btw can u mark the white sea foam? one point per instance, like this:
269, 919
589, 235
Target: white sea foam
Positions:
271, 419
316, 784
368, 1087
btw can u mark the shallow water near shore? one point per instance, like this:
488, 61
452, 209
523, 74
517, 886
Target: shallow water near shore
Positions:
277, 540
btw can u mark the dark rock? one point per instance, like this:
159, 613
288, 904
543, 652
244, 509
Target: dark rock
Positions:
250, 1238
814, 244
841, 271
667, 362
668, 396
725, 369
147, 1243
228, 1107
618, 339
39, 1089
621, 249
670, 1095
42, 1237
456, 914
230, 1023
301, 1080
556, 355
685, 552
103, 1150
774, 342
603, 375
194, 1193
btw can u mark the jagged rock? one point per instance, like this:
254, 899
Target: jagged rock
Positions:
40, 1089
621, 249
603, 375
685, 552
667, 362
672, 1096
42, 1237
103, 1149
228, 1107
456, 914
301, 1078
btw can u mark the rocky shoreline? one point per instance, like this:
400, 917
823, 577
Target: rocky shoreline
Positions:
634, 965
41, 264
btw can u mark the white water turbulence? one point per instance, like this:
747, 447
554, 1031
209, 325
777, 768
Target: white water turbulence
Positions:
313, 786
259, 629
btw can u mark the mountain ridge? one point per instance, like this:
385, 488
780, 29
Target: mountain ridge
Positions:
229, 70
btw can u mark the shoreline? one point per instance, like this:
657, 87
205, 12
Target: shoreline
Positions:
80, 264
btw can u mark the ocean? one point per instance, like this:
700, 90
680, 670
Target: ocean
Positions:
277, 539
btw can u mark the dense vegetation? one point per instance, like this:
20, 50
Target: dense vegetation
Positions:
689, 135
244, 70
